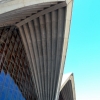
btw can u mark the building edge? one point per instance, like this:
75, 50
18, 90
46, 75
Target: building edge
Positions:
65, 44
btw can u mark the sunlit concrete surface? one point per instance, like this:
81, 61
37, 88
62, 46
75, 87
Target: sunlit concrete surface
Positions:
8, 5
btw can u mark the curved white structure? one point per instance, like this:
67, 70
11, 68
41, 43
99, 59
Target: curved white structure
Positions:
67, 90
44, 27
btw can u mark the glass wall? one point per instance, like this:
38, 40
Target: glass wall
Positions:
8, 89
15, 77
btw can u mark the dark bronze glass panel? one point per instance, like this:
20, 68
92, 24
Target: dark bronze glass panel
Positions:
15, 76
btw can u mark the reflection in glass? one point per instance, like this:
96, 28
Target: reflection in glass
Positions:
8, 89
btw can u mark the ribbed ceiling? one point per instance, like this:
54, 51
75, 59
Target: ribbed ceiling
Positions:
42, 30
43, 41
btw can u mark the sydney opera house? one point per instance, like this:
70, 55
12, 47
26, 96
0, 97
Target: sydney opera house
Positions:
33, 43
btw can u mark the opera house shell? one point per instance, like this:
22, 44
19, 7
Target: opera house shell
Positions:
33, 44
67, 89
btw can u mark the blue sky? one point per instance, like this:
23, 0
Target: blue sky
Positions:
83, 54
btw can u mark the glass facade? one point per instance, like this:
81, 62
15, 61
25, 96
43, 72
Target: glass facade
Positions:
8, 89
15, 76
